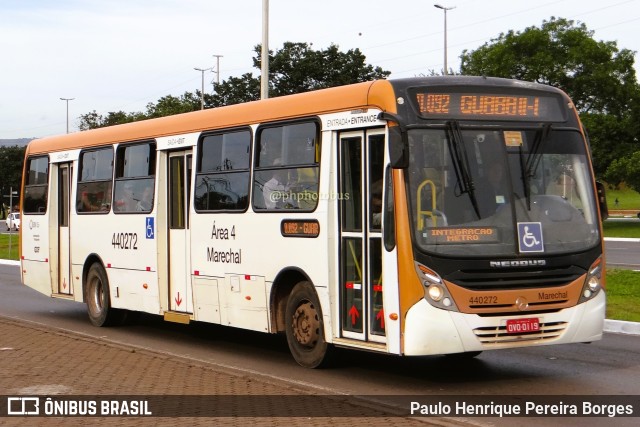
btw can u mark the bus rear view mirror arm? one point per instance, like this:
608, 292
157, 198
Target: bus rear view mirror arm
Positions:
398, 140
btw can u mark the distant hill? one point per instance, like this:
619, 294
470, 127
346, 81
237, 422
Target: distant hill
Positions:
11, 142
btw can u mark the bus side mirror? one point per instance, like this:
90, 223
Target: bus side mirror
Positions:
602, 200
398, 141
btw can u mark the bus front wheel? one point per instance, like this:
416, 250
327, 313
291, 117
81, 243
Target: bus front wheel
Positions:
304, 327
98, 298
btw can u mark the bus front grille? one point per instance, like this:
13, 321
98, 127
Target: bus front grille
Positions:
490, 335
483, 280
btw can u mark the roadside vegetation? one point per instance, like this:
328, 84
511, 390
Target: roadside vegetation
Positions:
622, 229
623, 295
628, 206
628, 200
9, 241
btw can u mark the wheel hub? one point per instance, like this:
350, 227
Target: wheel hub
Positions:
306, 325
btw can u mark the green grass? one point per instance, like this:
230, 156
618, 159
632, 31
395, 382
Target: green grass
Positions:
621, 229
623, 295
627, 199
7, 241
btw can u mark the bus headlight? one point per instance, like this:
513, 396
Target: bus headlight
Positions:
436, 292
593, 282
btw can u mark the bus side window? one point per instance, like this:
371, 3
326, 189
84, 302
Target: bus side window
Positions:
36, 185
222, 172
95, 181
287, 167
135, 178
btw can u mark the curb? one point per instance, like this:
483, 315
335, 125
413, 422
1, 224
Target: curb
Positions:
621, 327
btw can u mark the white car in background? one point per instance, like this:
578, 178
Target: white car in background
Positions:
13, 221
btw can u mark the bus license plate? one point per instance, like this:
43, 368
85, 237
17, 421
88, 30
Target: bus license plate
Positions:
519, 326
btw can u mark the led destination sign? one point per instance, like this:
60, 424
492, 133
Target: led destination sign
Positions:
300, 228
488, 106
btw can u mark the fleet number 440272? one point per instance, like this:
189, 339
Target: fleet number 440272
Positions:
125, 241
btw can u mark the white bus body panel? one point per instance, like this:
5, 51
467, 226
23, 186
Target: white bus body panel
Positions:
129, 257
64, 156
430, 330
176, 142
237, 256
206, 301
35, 268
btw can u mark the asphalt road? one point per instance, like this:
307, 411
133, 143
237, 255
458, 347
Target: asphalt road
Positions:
623, 254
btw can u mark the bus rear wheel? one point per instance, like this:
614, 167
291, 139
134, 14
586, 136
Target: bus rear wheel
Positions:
97, 296
305, 329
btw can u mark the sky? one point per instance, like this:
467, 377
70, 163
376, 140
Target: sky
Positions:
112, 55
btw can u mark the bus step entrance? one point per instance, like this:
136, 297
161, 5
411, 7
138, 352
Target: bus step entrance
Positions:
172, 316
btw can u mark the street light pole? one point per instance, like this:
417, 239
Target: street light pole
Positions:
446, 67
264, 78
202, 70
217, 68
67, 100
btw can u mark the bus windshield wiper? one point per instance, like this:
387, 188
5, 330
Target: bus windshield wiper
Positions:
533, 160
526, 178
461, 163
534, 154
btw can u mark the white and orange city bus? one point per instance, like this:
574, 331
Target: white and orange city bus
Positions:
441, 215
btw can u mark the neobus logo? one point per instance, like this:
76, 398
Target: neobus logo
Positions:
518, 263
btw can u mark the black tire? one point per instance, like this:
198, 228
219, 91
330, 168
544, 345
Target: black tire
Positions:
98, 299
305, 329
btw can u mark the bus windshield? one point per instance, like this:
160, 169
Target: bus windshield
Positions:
487, 192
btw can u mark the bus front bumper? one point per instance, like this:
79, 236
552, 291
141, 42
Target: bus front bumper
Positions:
429, 330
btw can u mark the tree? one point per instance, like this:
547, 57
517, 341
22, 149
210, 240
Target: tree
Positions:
298, 68
11, 159
94, 120
236, 90
599, 78
293, 69
611, 137
626, 169
170, 105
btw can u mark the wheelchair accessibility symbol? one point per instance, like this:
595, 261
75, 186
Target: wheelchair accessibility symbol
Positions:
530, 237
150, 229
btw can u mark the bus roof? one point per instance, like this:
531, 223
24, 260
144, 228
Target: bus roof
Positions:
377, 93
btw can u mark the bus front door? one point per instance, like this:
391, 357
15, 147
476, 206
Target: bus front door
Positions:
64, 247
361, 287
180, 292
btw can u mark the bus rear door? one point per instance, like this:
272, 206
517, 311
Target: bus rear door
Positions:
180, 289
64, 247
